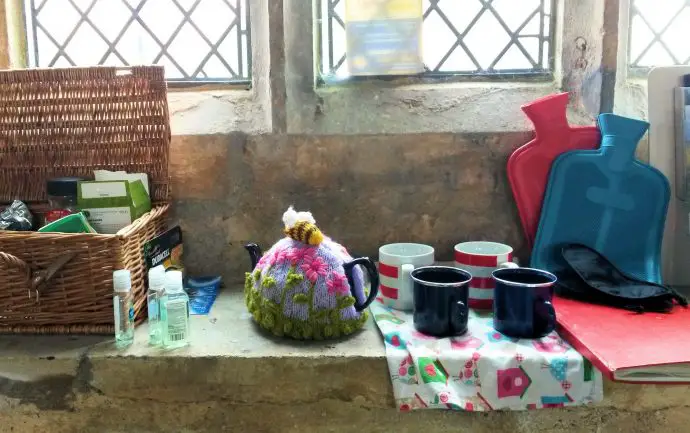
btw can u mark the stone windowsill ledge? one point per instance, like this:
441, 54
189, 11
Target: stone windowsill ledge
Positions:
232, 361
368, 108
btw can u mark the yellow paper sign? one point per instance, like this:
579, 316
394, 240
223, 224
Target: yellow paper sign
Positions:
384, 37
366, 10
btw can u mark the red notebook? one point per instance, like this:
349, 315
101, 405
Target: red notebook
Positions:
626, 346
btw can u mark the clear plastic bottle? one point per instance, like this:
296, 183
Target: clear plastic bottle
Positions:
153, 299
124, 308
174, 312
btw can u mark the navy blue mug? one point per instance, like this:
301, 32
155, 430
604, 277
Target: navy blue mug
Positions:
440, 300
522, 302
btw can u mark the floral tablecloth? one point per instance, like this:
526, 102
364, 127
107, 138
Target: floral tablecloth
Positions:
482, 370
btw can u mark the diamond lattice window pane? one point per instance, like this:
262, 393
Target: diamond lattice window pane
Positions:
487, 49
513, 15
110, 17
460, 36
193, 39
658, 33
435, 29
63, 11
162, 17
85, 44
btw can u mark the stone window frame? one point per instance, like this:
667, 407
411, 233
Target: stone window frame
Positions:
284, 97
404, 105
195, 109
630, 89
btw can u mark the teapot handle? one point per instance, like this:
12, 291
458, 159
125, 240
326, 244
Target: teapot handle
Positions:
373, 276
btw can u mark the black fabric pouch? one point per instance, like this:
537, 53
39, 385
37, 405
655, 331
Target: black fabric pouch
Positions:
590, 277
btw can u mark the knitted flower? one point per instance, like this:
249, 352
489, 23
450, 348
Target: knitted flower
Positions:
337, 284
281, 255
267, 259
296, 255
313, 268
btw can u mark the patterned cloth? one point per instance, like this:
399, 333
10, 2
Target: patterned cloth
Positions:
482, 370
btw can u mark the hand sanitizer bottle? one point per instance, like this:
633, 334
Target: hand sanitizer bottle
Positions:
124, 309
174, 312
153, 298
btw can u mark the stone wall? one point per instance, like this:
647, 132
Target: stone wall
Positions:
363, 190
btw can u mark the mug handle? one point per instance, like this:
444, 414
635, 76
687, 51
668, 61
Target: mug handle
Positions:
405, 281
373, 277
552, 315
461, 313
508, 265
550, 312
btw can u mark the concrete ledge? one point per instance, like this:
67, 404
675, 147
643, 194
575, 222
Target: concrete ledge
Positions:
102, 415
236, 378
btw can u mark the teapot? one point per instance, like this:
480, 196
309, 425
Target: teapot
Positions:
307, 286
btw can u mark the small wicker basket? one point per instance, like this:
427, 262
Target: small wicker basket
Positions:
69, 122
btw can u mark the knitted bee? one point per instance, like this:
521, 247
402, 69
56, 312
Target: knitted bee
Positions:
301, 227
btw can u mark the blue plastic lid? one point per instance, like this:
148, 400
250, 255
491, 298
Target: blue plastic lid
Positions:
686, 80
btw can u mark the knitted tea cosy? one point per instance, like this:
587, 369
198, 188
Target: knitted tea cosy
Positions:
299, 287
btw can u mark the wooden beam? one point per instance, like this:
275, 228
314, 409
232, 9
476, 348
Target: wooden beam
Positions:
609, 55
4, 40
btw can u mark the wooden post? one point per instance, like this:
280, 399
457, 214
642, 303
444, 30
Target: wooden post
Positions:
4, 40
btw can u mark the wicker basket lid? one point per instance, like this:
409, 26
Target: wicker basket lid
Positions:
70, 122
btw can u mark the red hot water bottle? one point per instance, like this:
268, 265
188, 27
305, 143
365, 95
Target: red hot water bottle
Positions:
529, 165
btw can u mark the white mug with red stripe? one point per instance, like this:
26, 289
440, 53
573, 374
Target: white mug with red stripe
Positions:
480, 259
396, 262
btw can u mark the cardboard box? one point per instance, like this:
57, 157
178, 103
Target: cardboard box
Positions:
112, 205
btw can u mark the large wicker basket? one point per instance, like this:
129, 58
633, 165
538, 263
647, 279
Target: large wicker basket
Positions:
68, 122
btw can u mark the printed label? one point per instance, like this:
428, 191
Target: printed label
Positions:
56, 214
384, 37
104, 189
177, 320
109, 220
386, 47
158, 258
116, 307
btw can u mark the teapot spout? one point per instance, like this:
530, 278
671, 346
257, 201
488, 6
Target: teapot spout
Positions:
254, 254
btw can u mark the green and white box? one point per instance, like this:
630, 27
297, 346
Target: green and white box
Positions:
113, 205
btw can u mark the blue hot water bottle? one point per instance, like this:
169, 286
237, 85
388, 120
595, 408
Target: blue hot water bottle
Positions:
607, 200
